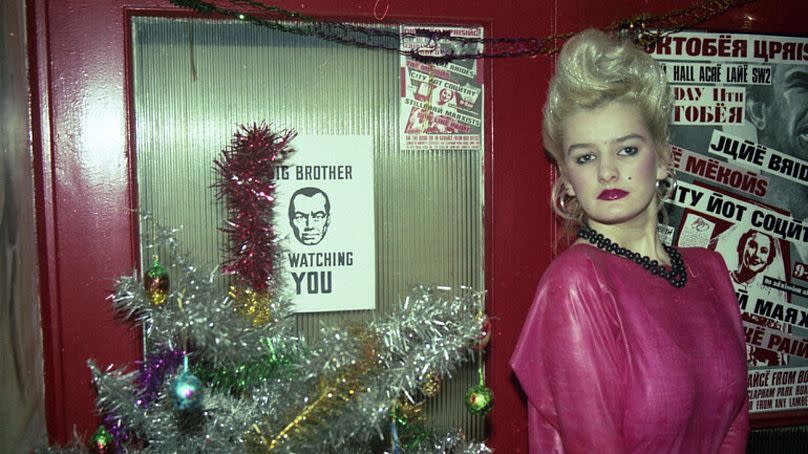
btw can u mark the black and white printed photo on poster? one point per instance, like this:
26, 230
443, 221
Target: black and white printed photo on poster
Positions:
324, 213
740, 139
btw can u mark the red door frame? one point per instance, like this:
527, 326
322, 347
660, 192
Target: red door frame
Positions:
79, 54
81, 123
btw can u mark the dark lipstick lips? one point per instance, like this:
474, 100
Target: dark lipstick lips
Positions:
612, 194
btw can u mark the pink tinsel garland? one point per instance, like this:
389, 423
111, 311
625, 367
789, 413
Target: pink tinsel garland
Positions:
246, 170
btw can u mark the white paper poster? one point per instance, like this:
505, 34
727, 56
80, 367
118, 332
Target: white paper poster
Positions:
324, 215
441, 104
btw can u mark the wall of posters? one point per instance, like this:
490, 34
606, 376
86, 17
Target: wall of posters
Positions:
741, 149
325, 217
441, 104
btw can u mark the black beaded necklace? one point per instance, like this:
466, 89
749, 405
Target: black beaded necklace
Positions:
677, 276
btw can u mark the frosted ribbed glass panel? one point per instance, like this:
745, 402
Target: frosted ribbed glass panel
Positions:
195, 81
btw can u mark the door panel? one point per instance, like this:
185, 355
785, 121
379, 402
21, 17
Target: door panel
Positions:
195, 79
86, 145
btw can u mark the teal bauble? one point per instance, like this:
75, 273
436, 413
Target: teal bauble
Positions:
187, 392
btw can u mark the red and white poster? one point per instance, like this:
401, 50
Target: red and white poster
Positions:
740, 139
441, 103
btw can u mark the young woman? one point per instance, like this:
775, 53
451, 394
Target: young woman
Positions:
630, 346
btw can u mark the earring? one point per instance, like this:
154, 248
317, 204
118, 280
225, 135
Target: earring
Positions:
673, 184
562, 203
669, 186
560, 198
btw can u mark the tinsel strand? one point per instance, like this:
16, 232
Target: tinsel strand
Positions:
217, 336
246, 182
366, 371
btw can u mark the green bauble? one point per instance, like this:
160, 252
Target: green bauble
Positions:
479, 400
101, 442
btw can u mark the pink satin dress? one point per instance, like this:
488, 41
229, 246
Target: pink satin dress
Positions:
616, 360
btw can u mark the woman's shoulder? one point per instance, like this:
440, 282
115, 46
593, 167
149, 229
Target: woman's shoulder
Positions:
578, 253
579, 257
577, 266
699, 252
575, 285
699, 258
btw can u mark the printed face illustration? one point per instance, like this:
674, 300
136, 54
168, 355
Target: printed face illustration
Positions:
781, 113
445, 96
757, 252
611, 164
309, 215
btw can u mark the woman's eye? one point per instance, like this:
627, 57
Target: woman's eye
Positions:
584, 158
628, 151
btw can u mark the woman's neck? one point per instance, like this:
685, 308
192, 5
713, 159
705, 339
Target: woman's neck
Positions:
640, 237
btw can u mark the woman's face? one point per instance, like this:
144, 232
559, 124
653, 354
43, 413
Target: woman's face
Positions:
611, 164
756, 252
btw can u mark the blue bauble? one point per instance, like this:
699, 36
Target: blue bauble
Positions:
187, 392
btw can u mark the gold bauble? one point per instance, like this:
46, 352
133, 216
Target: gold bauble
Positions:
252, 305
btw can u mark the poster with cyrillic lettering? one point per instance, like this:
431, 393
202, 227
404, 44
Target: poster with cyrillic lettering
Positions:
740, 136
324, 216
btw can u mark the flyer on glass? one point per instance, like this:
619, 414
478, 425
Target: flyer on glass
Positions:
441, 103
324, 216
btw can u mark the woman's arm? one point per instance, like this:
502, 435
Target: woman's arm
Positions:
735, 440
570, 360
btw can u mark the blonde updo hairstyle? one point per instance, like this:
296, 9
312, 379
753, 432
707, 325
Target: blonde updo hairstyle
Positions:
592, 71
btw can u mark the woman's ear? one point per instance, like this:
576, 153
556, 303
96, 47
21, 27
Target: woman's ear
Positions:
566, 187
665, 166
662, 172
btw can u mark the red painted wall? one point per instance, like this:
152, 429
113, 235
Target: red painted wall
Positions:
81, 116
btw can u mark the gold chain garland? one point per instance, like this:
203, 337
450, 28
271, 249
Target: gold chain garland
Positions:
332, 391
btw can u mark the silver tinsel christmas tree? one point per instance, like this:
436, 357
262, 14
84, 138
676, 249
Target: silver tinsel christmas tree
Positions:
225, 372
